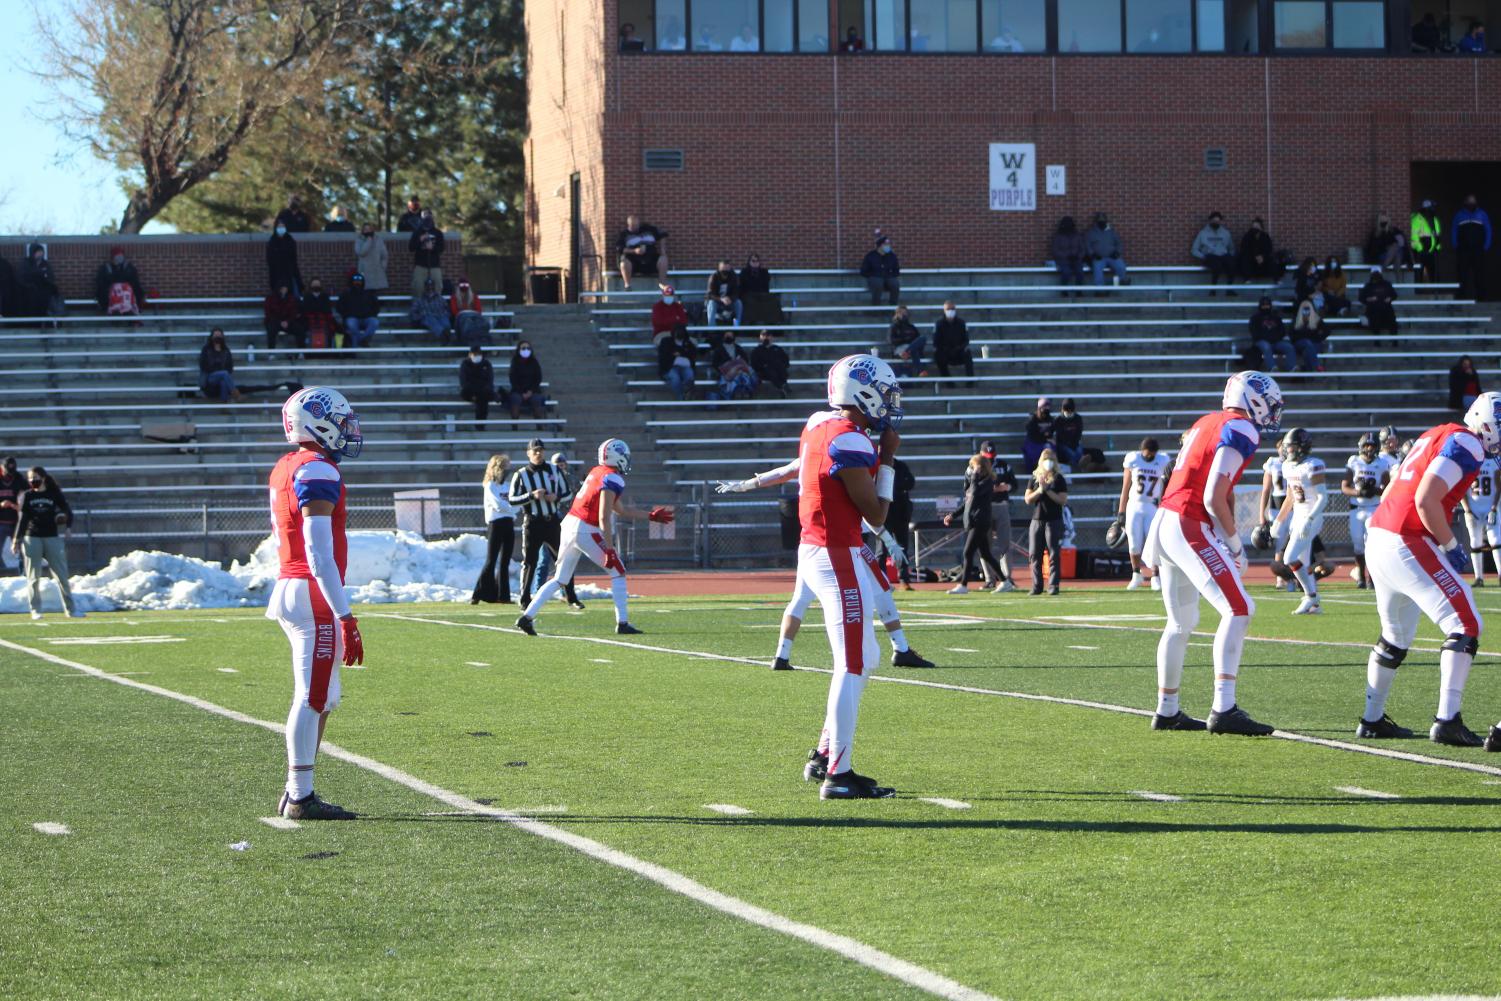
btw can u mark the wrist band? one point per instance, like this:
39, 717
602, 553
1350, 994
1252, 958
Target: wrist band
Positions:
885, 482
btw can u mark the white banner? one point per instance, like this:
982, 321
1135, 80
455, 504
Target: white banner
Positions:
1013, 177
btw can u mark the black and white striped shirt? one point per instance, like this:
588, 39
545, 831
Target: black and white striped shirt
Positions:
545, 478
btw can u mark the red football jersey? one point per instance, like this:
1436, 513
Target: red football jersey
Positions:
299, 478
586, 501
831, 442
1210, 433
1399, 508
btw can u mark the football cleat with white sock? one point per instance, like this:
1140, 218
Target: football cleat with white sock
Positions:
1309, 606
1136, 582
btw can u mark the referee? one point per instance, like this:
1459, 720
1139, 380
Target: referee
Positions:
541, 495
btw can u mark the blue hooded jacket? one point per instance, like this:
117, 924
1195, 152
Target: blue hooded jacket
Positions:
1468, 224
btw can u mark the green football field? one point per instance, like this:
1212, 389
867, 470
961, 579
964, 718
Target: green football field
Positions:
581, 816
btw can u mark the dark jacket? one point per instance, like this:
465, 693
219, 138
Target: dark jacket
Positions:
979, 494
1045, 508
721, 284
296, 220
476, 378
723, 353
38, 513
211, 359
1305, 285
901, 333
1378, 297
668, 350
8, 305
426, 246
1460, 384
359, 303
11, 489
1380, 240
1267, 326
950, 336
338, 226
320, 303
1068, 430
1003, 476
1472, 230
900, 514
36, 286
1253, 244
281, 262
109, 275
410, 221
526, 374
1040, 429
770, 362
754, 281
1103, 244
279, 311
1066, 247
879, 265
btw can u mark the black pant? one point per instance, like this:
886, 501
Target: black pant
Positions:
481, 403
877, 285
494, 583
296, 330
954, 356
536, 533
977, 544
1220, 265
1049, 535
1471, 273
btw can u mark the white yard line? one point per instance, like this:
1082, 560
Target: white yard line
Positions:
947, 804
476, 663
728, 809
1157, 797
51, 827
1367, 793
281, 823
226, 670
1079, 647
960, 649
920, 977
107, 640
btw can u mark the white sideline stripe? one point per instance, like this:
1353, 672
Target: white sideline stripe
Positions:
105, 640
728, 809
947, 804
51, 827
476, 663
1079, 647
960, 649
1339, 745
281, 823
1367, 793
842, 945
226, 670
1157, 797
600, 660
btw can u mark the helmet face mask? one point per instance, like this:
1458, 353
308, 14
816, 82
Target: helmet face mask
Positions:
1484, 420
1258, 395
323, 417
1366, 446
868, 384
1299, 444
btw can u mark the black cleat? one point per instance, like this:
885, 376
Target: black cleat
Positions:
1384, 728
626, 629
817, 767
1235, 720
848, 785
781, 664
310, 808
525, 625
1493, 739
910, 658
1454, 733
1179, 721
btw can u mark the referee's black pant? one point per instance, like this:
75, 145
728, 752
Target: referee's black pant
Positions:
536, 533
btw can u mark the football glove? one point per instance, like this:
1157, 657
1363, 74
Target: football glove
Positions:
1236, 550
1368, 488
1115, 535
735, 486
354, 645
893, 548
1261, 536
661, 514
1458, 557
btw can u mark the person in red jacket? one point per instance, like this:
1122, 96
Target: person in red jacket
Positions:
284, 317
667, 314
467, 312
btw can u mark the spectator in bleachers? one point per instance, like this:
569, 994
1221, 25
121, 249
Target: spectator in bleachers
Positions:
1473, 41
667, 314
1308, 335
117, 286
1378, 296
852, 41
737, 379
882, 272
1102, 245
216, 368
979, 495
1268, 337
1068, 435
338, 221
318, 314
36, 285
43, 515
907, 342
371, 257
628, 40
1306, 282
8, 305
494, 582
677, 357
1464, 384
1067, 249
723, 295
477, 383
1427, 240
770, 363
281, 260
951, 342
12, 485
293, 217
526, 384
1425, 35
411, 219
1039, 433
762, 306
431, 312
468, 312
1257, 257
754, 279
359, 308
1047, 494
1216, 248
426, 244
283, 315
639, 250
1386, 245
1334, 286
1472, 239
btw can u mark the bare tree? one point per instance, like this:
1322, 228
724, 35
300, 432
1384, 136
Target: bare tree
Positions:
168, 90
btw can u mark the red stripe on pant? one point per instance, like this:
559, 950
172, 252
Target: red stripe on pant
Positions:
851, 608
1446, 581
1214, 560
875, 568
325, 634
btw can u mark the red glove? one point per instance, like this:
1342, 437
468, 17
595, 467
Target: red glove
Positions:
662, 515
612, 561
354, 646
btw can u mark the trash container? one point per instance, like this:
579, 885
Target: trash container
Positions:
545, 284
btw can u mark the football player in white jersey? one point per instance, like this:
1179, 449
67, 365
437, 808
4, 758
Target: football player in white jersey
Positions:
1479, 503
1271, 533
1303, 510
1366, 475
1144, 474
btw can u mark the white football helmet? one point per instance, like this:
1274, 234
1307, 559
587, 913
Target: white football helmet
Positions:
616, 453
1484, 418
868, 384
1258, 395
323, 417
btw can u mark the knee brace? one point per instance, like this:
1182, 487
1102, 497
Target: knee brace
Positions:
1460, 643
1389, 655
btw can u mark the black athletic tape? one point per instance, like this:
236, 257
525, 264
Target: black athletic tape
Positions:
1389, 654
1461, 643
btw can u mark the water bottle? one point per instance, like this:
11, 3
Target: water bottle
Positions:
250, 354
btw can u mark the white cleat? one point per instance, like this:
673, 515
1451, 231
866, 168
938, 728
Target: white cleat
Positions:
1003, 587
36, 616
1308, 606
1156, 583
959, 589
1136, 582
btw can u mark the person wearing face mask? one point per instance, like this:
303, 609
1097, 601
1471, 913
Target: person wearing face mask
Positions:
293, 217
42, 515
1335, 287
1257, 259
1385, 245
117, 286
426, 244
216, 368
283, 315
36, 285
1216, 248
677, 360
737, 380
477, 383
1306, 283
1472, 240
318, 316
281, 260
667, 314
881, 271
1378, 297
1068, 435
951, 342
526, 383
468, 314
1427, 240
360, 310
1268, 337
338, 222
1047, 494
770, 363
371, 257
761, 306
1039, 434
12, 484
1067, 251
1102, 245
430, 312
722, 302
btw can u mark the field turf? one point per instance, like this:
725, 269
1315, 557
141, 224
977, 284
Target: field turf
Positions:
1075, 853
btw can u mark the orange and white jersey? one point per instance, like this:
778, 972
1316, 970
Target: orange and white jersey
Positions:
831, 442
586, 501
298, 479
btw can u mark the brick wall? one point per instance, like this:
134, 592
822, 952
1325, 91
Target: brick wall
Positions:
800, 157
231, 264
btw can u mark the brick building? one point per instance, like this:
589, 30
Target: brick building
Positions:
765, 138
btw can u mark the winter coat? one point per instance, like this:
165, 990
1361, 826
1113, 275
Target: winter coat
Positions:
370, 257
879, 265
279, 311
1267, 326
36, 286
1378, 296
755, 281
526, 374
410, 221
670, 348
950, 335
1472, 230
472, 306
281, 262
770, 362
1066, 247
426, 246
665, 317
429, 312
901, 333
477, 378
1461, 383
1102, 244
1213, 242
724, 353
211, 359
359, 304
109, 275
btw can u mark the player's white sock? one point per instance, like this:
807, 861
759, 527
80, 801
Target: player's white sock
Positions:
1307, 583
542, 597
1167, 705
1453, 672
898, 640
1378, 684
843, 709
1229, 641
823, 742
302, 748
784, 648
1224, 694
1477, 560
618, 592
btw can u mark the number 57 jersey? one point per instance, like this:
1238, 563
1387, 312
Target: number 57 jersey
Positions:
1455, 454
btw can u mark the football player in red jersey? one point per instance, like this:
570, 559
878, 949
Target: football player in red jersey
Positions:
1418, 567
307, 516
1195, 545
